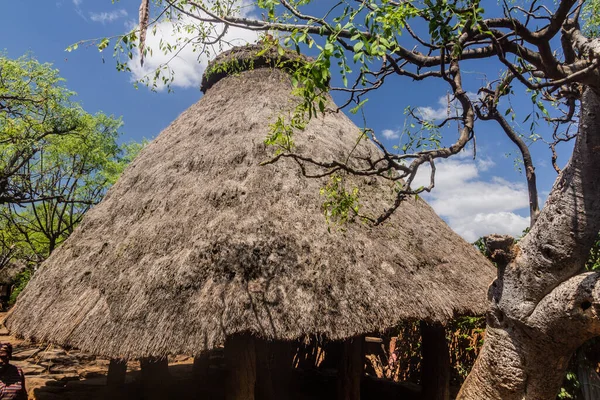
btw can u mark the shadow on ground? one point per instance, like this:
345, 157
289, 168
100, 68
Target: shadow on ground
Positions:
305, 386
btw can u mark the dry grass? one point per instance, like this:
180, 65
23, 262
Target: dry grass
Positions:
196, 241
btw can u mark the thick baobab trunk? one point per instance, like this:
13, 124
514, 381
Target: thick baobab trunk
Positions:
542, 305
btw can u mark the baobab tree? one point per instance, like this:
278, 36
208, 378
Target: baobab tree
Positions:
543, 305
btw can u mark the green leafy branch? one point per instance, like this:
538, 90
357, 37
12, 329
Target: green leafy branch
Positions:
340, 205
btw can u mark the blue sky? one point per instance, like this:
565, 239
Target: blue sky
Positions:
476, 197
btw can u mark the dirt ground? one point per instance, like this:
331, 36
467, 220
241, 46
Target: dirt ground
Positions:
53, 373
56, 373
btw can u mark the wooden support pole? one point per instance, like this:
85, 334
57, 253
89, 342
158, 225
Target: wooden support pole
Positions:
435, 368
200, 368
240, 357
200, 374
117, 370
350, 369
155, 377
274, 369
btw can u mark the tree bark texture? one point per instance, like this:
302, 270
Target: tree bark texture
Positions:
350, 369
435, 368
240, 357
542, 305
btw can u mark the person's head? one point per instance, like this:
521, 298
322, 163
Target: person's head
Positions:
5, 354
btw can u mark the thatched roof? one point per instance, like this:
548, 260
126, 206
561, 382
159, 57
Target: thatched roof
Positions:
196, 241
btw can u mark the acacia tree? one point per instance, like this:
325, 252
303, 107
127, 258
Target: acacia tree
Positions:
542, 304
73, 172
34, 107
56, 160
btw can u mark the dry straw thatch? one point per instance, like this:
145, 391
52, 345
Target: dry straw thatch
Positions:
196, 241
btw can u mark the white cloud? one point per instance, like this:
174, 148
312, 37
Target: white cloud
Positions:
447, 106
390, 134
77, 4
474, 207
188, 64
485, 163
432, 114
483, 224
104, 17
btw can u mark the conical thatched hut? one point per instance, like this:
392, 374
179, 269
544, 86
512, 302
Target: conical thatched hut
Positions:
197, 244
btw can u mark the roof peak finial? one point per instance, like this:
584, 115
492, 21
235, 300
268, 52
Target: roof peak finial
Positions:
264, 54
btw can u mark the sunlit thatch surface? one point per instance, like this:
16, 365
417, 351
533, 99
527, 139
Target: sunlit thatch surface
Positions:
196, 241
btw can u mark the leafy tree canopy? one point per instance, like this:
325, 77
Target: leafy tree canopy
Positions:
56, 160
